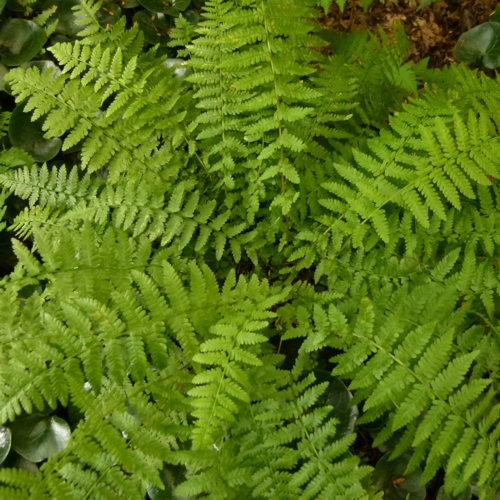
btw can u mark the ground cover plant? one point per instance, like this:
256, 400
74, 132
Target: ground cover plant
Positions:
240, 236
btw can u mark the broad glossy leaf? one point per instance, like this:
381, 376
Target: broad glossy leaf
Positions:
170, 7
20, 41
495, 16
28, 135
192, 16
465, 495
155, 26
481, 44
108, 15
389, 477
128, 4
22, 463
37, 437
338, 396
2, 5
5, 442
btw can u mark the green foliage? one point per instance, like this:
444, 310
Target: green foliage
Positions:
325, 4
480, 44
22, 40
231, 234
28, 29
390, 476
37, 437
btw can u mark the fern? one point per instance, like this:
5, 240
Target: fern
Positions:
419, 377
214, 241
86, 124
457, 160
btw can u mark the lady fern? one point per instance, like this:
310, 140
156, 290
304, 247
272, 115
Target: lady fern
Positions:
224, 237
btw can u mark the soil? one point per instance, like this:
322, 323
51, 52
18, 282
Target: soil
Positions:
433, 31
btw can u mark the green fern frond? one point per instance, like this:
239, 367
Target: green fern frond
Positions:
130, 41
418, 381
108, 134
183, 219
419, 172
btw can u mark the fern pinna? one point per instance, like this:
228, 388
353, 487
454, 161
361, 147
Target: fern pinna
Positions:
225, 239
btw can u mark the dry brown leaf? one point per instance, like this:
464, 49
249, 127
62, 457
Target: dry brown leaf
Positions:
432, 32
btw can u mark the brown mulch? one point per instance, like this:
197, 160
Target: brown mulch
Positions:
433, 31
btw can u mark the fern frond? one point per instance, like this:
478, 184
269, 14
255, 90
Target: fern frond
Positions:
130, 41
418, 381
107, 133
419, 172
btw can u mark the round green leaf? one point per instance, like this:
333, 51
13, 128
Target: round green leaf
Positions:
192, 16
155, 26
5, 442
465, 495
22, 463
37, 437
495, 16
128, 4
170, 7
180, 67
28, 135
41, 65
338, 396
389, 477
108, 15
20, 41
482, 44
